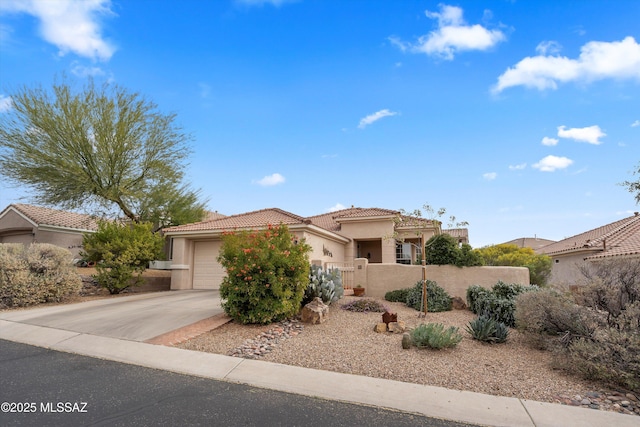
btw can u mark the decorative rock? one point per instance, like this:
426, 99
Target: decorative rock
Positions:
458, 303
267, 341
380, 327
315, 312
406, 341
397, 327
388, 317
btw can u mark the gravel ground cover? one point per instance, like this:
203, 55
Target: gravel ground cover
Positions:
346, 342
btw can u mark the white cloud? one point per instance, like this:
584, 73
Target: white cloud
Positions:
590, 134
550, 142
453, 35
71, 25
336, 207
375, 117
597, 61
84, 71
519, 167
271, 180
490, 176
553, 163
5, 103
548, 47
635, 124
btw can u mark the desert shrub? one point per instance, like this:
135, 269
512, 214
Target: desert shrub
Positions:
547, 312
365, 305
612, 286
121, 252
486, 329
437, 298
267, 274
497, 303
613, 357
434, 335
37, 274
326, 285
397, 295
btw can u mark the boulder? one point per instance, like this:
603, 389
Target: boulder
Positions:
380, 327
458, 303
397, 327
315, 312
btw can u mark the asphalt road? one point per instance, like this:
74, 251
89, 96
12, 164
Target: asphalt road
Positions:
61, 389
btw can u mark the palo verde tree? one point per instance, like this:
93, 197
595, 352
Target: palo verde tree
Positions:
100, 146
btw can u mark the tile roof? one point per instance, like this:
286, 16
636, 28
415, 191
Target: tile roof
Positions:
53, 217
457, 232
260, 218
211, 215
328, 220
530, 242
618, 238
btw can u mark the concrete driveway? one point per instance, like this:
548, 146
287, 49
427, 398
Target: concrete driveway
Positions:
135, 318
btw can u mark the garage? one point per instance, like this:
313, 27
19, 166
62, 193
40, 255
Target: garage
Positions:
207, 272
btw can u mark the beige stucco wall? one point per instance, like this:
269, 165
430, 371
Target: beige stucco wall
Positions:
317, 243
65, 239
182, 264
565, 268
379, 279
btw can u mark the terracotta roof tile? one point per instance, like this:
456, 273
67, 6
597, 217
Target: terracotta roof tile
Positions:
53, 217
618, 238
255, 219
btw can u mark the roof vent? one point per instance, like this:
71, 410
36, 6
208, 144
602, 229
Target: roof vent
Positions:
636, 213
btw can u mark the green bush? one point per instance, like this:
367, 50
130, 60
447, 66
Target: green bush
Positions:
365, 305
437, 298
486, 329
267, 274
442, 249
434, 335
121, 252
398, 295
497, 303
37, 274
326, 285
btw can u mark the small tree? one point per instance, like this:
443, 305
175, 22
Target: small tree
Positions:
121, 253
267, 274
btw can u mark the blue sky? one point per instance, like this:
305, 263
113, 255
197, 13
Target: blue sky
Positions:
520, 117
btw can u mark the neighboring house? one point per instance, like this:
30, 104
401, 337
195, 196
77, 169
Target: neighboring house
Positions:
534, 243
618, 239
336, 239
460, 234
26, 224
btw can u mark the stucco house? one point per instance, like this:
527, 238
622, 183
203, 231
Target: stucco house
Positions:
336, 239
26, 224
534, 243
617, 239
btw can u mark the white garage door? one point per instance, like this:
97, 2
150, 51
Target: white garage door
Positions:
207, 273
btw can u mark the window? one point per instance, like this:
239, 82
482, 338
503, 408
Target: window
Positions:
403, 253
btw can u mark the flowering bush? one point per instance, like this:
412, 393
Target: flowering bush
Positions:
267, 274
37, 274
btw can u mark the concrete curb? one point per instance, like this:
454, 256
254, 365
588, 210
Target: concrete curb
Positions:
437, 402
